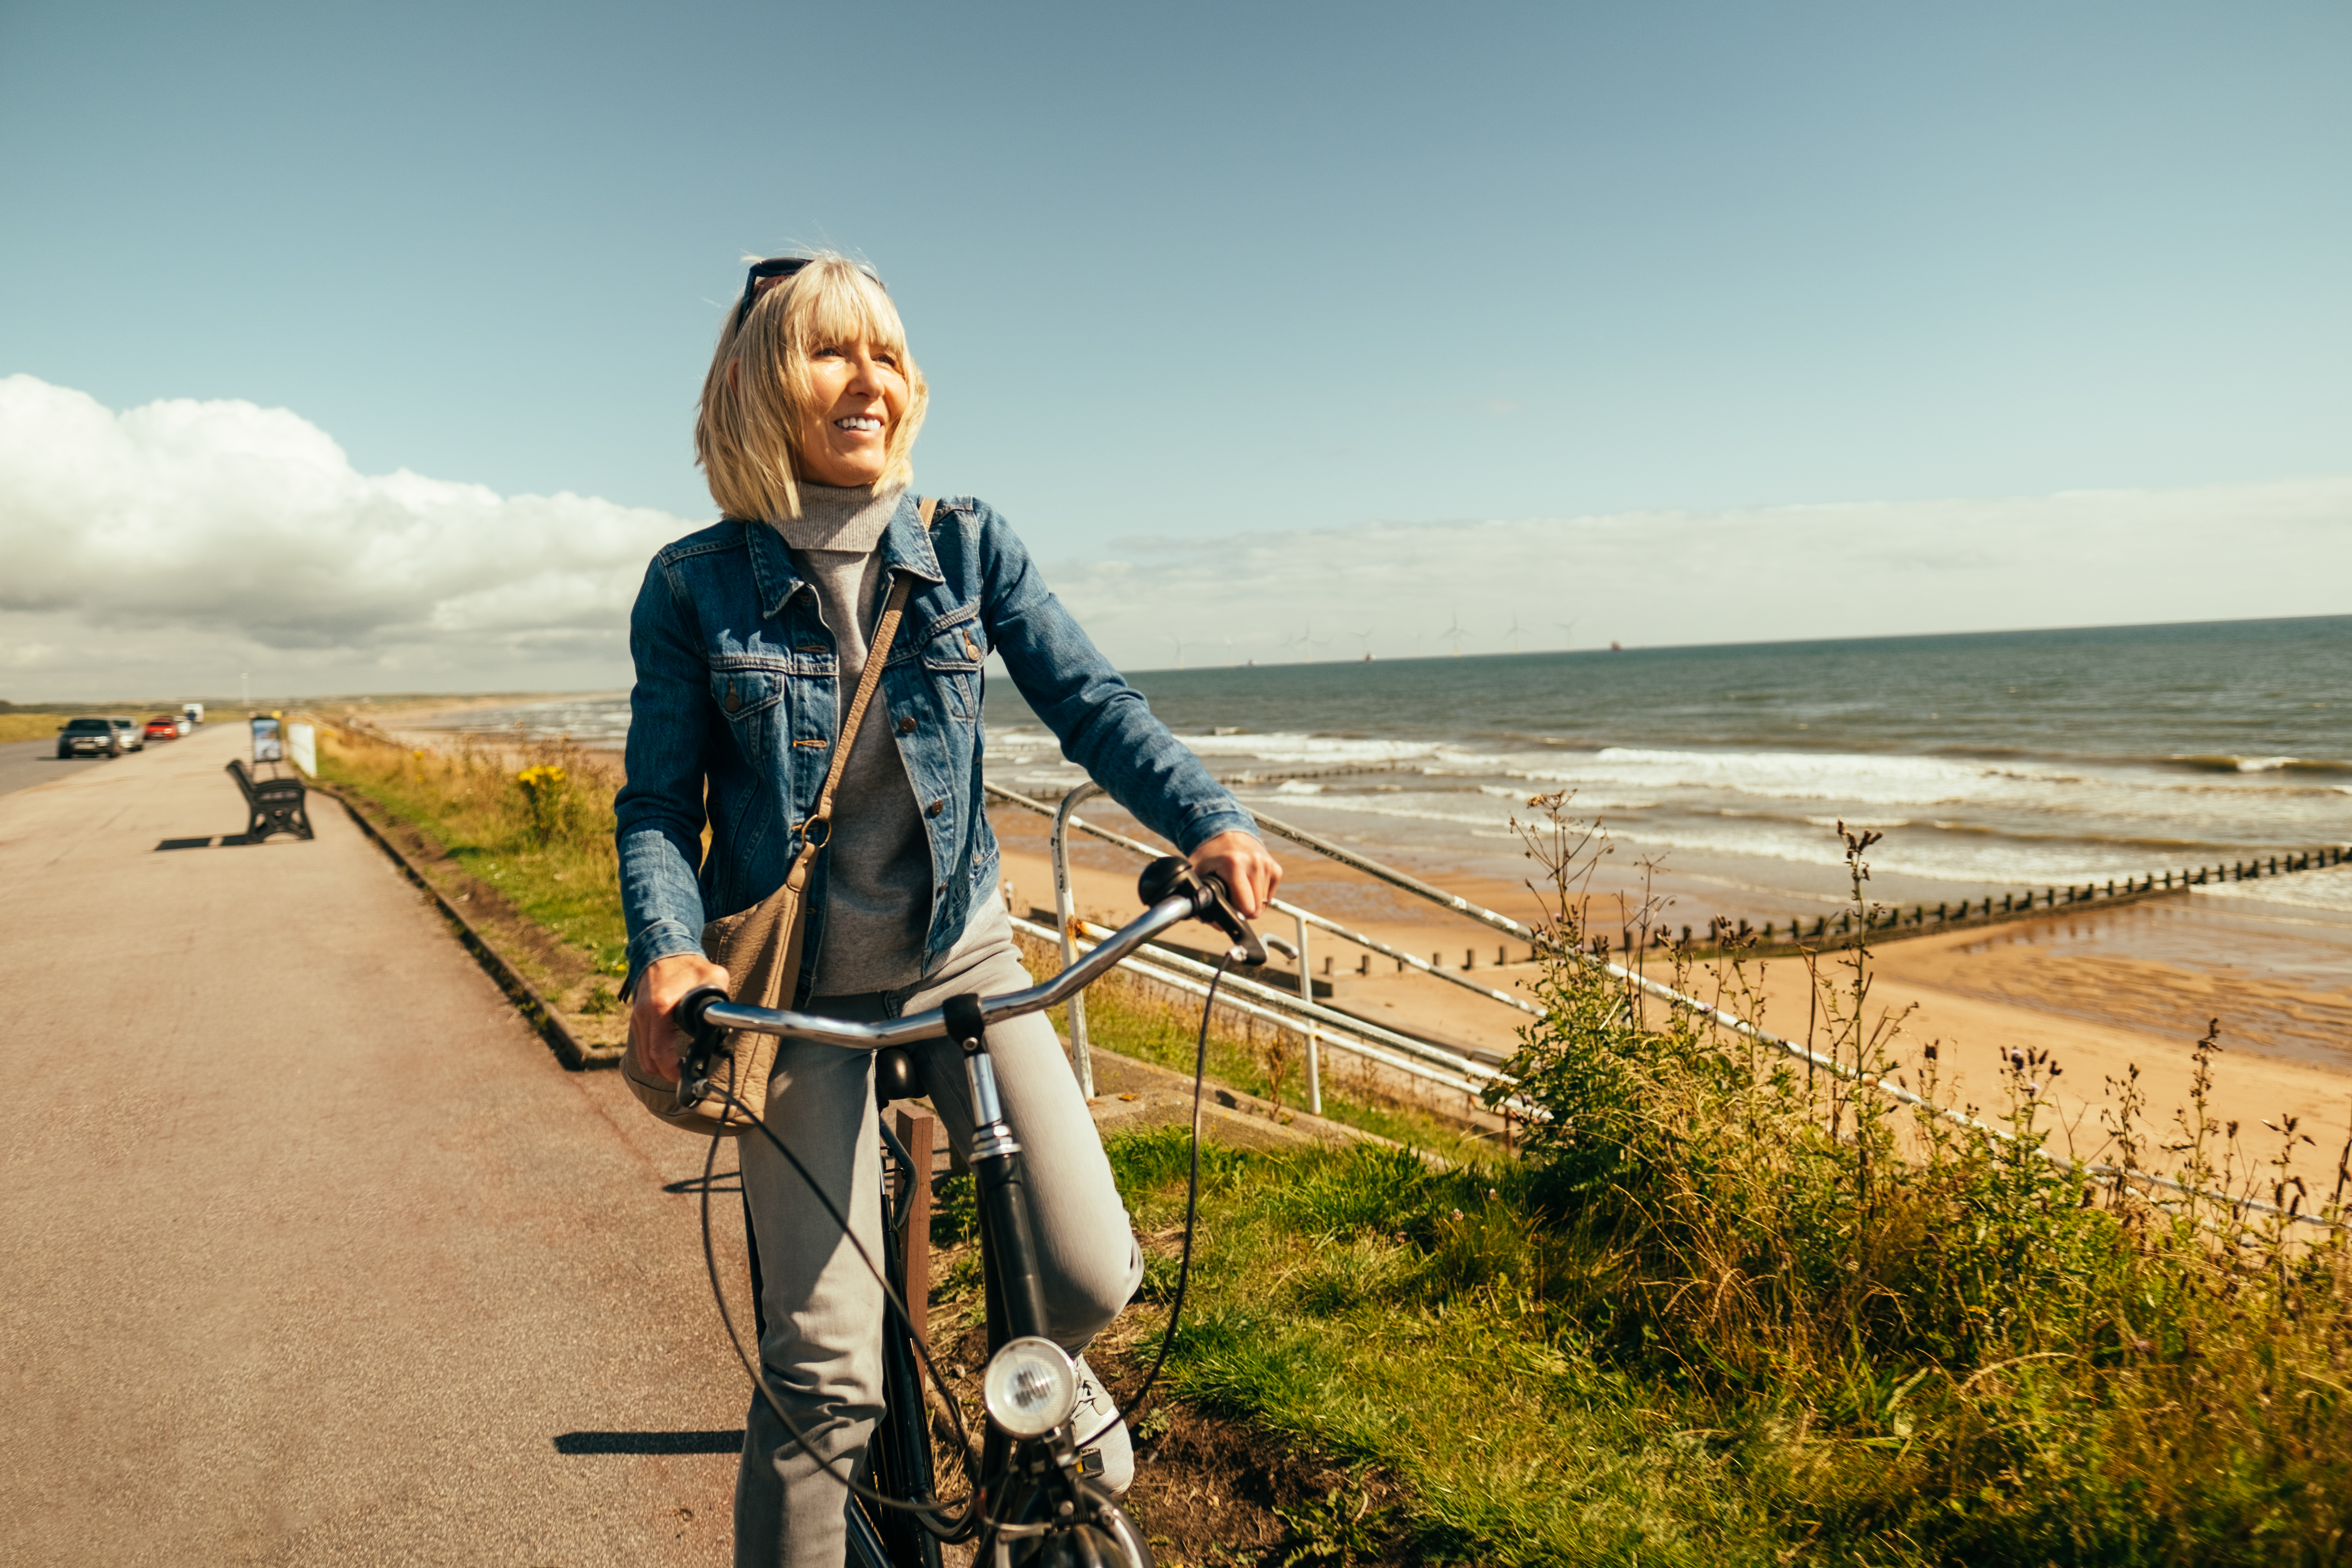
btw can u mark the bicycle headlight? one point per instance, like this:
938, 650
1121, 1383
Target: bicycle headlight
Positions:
1030, 1387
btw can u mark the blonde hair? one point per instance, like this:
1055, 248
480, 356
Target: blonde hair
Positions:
747, 432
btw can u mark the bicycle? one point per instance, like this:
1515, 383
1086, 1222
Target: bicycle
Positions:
1030, 1502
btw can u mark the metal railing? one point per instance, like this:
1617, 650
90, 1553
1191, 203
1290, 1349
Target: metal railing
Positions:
1718, 1017
1297, 1014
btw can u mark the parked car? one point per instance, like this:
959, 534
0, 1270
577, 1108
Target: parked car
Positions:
187, 725
89, 738
163, 727
132, 741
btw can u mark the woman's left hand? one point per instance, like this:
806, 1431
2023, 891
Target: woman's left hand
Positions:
1239, 861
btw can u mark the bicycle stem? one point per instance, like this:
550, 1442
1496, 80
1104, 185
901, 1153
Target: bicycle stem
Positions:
996, 1173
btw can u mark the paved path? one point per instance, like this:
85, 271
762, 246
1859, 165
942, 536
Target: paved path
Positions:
312, 1253
24, 764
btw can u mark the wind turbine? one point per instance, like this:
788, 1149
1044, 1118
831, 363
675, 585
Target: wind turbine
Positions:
1365, 637
1302, 641
1514, 632
1568, 635
1456, 631
1181, 646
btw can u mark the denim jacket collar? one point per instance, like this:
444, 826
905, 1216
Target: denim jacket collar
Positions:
905, 547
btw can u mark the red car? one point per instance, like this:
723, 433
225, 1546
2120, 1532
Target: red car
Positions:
163, 727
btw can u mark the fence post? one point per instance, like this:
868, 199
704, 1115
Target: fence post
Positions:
915, 1133
1065, 913
1314, 1037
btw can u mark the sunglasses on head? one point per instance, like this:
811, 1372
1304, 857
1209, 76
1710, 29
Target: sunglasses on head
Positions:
766, 275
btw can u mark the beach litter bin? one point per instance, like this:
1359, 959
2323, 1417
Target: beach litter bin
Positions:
272, 804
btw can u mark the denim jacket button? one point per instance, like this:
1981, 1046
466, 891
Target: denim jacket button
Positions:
906, 724
936, 807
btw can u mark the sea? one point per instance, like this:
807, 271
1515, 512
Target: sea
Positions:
1987, 761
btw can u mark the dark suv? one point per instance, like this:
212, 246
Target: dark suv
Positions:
91, 738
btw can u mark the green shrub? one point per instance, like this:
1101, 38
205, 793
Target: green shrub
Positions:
2037, 1367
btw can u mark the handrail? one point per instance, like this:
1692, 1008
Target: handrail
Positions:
1144, 964
1394, 877
1133, 847
1291, 1001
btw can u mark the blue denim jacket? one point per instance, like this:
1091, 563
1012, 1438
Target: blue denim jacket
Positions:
736, 691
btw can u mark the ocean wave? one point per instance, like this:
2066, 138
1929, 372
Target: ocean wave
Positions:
1320, 750
2225, 763
2329, 890
1365, 805
1870, 780
1975, 863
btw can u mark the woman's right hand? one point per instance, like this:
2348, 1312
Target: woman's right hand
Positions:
653, 1015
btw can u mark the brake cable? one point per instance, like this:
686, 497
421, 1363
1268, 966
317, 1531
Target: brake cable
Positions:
1191, 1210
929, 1515
928, 1512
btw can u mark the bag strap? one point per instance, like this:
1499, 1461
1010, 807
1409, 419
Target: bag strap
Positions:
877, 653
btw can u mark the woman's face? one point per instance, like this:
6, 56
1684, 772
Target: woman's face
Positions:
860, 394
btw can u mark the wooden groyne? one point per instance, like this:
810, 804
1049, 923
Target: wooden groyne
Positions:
1895, 924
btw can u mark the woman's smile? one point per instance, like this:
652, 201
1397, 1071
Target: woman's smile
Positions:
863, 392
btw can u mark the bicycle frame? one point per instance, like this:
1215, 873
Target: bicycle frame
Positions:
1031, 1485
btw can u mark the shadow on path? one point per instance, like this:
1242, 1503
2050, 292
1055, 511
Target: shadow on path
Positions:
650, 1442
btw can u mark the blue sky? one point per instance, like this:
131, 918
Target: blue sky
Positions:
1187, 273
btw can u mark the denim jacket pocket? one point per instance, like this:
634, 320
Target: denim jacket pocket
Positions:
750, 693
951, 656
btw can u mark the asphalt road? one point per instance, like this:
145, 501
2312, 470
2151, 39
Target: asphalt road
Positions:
24, 764
313, 1253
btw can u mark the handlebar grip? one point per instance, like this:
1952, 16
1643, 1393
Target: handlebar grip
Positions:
694, 1063
1165, 878
693, 1007
1170, 876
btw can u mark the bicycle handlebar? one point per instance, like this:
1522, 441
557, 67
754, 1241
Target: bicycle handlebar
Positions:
1181, 897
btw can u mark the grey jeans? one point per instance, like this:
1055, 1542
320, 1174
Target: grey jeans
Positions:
823, 1309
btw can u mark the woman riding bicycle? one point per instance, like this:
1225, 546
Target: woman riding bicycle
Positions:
748, 638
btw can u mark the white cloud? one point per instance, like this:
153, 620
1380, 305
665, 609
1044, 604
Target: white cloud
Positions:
1765, 574
174, 547
183, 542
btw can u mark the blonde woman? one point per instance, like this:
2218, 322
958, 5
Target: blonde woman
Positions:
748, 638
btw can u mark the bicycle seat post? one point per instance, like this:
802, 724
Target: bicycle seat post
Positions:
1005, 1236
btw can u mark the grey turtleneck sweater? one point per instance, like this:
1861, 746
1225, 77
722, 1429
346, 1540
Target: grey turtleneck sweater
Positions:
877, 898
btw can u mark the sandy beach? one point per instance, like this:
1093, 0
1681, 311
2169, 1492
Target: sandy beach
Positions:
2054, 985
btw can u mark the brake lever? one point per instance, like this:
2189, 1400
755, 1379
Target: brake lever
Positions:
703, 1045
1171, 873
